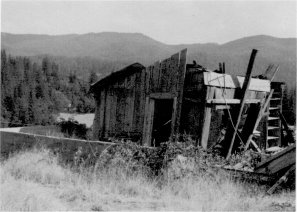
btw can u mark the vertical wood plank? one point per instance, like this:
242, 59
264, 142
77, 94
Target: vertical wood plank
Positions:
137, 95
168, 76
148, 121
102, 113
96, 122
174, 60
126, 104
120, 111
107, 113
206, 118
155, 79
180, 88
140, 114
163, 78
131, 103
147, 80
113, 108
174, 107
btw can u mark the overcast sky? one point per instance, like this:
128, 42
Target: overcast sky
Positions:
169, 22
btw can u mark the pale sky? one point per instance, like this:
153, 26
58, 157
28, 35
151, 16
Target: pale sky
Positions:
171, 22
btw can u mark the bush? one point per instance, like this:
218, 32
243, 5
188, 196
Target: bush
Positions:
73, 129
155, 160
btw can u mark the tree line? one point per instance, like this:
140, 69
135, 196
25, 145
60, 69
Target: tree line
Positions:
35, 88
32, 92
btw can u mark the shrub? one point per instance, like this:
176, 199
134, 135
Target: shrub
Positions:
73, 129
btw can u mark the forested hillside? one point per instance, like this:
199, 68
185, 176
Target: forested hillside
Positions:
45, 72
114, 50
32, 92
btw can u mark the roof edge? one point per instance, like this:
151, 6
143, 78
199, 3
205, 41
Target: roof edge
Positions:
126, 71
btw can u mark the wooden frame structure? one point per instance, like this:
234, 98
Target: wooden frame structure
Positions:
197, 99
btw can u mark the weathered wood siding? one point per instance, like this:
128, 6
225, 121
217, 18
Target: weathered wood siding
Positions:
164, 80
119, 108
121, 102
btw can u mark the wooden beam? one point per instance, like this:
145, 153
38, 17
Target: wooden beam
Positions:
260, 115
103, 112
282, 179
256, 146
243, 98
180, 89
277, 162
206, 119
274, 73
161, 95
231, 101
148, 121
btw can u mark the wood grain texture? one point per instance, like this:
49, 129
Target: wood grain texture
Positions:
206, 119
180, 88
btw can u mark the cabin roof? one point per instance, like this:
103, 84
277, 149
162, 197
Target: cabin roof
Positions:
115, 76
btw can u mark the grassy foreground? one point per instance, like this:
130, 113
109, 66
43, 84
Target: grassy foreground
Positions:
35, 180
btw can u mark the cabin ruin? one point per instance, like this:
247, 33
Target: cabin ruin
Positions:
173, 98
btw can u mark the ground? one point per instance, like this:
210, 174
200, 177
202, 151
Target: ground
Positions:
35, 180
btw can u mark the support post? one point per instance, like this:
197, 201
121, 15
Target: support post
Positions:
243, 96
206, 118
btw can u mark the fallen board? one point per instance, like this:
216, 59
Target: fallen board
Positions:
246, 176
278, 162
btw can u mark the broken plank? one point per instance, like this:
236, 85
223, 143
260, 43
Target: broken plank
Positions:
277, 162
243, 95
281, 180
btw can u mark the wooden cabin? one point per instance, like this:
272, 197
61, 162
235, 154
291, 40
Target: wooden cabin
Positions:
170, 98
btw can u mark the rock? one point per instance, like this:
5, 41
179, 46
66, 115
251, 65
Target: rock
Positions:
238, 166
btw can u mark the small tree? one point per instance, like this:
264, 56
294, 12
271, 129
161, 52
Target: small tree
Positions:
93, 77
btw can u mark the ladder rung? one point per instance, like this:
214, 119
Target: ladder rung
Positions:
256, 132
272, 127
274, 99
273, 108
272, 118
272, 137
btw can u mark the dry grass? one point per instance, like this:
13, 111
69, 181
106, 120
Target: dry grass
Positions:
35, 180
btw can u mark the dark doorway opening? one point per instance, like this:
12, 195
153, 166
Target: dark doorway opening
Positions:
162, 121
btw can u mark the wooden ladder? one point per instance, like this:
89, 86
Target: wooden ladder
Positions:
274, 125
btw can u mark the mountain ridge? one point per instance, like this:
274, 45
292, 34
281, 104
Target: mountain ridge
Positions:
136, 47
